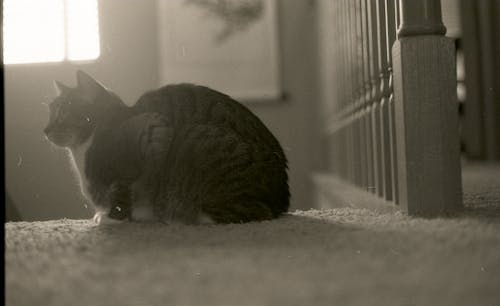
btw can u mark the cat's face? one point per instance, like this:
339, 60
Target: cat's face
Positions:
70, 120
72, 113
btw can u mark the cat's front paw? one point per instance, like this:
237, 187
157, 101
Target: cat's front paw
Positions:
101, 218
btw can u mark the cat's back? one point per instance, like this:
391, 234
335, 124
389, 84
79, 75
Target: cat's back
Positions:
195, 104
188, 102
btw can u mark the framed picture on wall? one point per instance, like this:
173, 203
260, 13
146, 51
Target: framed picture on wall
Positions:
228, 45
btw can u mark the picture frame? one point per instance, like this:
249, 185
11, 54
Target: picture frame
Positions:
230, 46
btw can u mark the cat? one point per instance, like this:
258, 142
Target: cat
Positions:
183, 153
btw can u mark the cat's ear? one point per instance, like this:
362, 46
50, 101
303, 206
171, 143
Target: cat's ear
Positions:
60, 88
88, 86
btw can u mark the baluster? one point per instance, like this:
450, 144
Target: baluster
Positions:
382, 85
332, 136
338, 72
360, 99
344, 83
374, 89
370, 93
385, 105
356, 122
366, 93
340, 18
346, 91
352, 88
355, 92
390, 112
396, 14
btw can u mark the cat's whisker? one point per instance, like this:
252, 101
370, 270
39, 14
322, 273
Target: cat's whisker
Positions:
53, 147
19, 160
46, 100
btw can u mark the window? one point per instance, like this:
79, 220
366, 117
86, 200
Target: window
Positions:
36, 31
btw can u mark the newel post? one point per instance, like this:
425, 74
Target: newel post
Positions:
426, 112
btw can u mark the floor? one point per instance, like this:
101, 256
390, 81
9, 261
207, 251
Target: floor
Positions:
342, 256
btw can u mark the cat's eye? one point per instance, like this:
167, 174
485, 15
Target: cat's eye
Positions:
63, 112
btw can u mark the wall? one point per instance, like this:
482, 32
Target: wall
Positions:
481, 48
38, 176
295, 121
450, 10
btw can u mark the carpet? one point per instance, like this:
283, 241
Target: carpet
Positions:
341, 256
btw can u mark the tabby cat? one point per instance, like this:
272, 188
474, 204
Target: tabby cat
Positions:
183, 153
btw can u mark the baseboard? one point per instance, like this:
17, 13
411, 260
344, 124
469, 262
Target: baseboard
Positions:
333, 192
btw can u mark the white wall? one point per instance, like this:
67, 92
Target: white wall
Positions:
450, 10
296, 122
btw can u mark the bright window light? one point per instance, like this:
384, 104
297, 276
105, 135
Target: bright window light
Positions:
36, 31
82, 29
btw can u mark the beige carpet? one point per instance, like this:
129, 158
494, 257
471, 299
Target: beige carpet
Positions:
330, 257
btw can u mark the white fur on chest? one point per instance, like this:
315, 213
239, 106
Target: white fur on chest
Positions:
78, 159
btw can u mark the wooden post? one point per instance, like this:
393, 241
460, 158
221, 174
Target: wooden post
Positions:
426, 112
